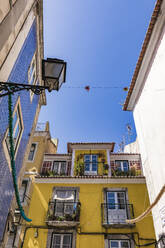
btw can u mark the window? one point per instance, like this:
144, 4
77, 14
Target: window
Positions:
90, 163
116, 200
60, 167
46, 167
32, 152
122, 165
32, 74
17, 131
61, 240
22, 191
64, 202
119, 244
116, 207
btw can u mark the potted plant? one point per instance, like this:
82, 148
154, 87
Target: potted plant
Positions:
79, 169
68, 217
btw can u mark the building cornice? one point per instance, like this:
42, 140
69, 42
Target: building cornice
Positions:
87, 180
90, 146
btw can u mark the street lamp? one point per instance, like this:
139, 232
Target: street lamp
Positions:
53, 75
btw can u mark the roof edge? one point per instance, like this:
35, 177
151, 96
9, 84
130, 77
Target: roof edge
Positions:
143, 51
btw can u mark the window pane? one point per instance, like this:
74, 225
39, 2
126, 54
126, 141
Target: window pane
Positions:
16, 132
87, 158
15, 119
118, 163
111, 200
125, 165
121, 200
94, 158
22, 191
94, 167
68, 208
114, 244
32, 151
56, 241
63, 168
124, 244
55, 166
59, 207
87, 167
66, 240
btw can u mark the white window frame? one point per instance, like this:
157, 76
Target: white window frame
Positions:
61, 239
117, 214
34, 153
109, 216
31, 73
91, 172
119, 237
19, 121
116, 197
26, 191
121, 164
47, 161
59, 167
66, 204
119, 242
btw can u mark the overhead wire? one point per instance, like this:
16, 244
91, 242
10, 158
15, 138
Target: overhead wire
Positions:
148, 210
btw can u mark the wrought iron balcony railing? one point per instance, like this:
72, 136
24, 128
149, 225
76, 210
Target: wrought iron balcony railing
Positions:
63, 211
115, 215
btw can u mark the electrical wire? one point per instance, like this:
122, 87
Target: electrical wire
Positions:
88, 87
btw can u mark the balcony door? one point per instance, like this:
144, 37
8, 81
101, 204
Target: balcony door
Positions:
116, 207
64, 202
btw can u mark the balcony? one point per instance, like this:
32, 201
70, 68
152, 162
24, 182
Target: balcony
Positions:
128, 173
63, 214
55, 168
115, 215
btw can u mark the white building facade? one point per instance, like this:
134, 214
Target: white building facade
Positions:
146, 98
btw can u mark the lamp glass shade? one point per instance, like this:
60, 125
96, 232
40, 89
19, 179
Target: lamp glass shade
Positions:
53, 70
53, 73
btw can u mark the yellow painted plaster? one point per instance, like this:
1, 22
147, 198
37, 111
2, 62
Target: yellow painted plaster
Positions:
91, 197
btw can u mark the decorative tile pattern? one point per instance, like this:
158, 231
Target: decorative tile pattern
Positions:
18, 74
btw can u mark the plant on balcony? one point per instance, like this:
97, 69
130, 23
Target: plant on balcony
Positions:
117, 172
105, 169
79, 169
51, 173
103, 160
68, 217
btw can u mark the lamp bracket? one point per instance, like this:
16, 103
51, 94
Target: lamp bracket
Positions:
7, 88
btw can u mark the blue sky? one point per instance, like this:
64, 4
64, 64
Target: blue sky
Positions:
100, 41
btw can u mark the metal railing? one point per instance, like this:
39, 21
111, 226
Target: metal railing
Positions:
116, 213
63, 211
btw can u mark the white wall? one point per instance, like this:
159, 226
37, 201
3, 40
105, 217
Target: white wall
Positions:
149, 115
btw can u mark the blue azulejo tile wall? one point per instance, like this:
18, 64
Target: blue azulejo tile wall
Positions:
19, 74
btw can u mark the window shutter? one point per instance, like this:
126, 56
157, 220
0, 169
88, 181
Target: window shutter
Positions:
69, 168
135, 164
46, 166
112, 163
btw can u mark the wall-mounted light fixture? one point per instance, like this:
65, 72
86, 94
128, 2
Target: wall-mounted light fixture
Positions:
53, 75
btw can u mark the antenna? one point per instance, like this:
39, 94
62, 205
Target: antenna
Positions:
129, 131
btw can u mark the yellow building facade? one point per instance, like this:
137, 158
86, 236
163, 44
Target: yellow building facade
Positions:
83, 198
